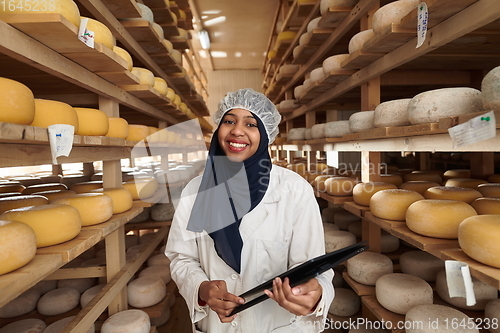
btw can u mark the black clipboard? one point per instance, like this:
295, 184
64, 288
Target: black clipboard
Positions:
301, 274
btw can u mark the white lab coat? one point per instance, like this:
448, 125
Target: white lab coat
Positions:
284, 230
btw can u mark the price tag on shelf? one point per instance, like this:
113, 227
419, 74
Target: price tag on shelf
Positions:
477, 129
423, 20
85, 35
61, 140
459, 281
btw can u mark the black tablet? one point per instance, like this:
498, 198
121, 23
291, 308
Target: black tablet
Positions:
301, 274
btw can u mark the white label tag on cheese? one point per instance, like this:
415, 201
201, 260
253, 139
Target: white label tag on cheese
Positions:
477, 129
459, 281
423, 20
332, 158
61, 140
85, 35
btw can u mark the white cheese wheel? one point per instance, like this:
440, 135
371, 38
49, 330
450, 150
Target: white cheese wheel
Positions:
328, 213
17, 103
363, 192
465, 182
392, 113
296, 134
161, 86
491, 312
85, 187
490, 92
20, 201
137, 132
142, 188
308, 83
288, 69
343, 218
356, 228
430, 106
146, 14
421, 264
44, 187
313, 24
163, 212
361, 121
118, 128
297, 50
437, 318
121, 198
159, 259
122, 53
128, 321
162, 272
423, 176
479, 238
326, 4
464, 194
388, 243
484, 293
58, 301
143, 216
437, 218
22, 304
102, 34
367, 267
89, 294
400, 292
456, 173
392, 204
146, 291
53, 112
419, 186
489, 190
330, 226
45, 286
44, 219
31, 325
345, 304
357, 41
80, 285
145, 76
60, 325
318, 131
317, 74
334, 63
340, 186
486, 206
288, 104
94, 208
66, 8
336, 129
92, 122
338, 239
392, 13
299, 91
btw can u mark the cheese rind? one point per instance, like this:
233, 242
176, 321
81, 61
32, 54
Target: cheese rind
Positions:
53, 112
479, 238
92, 122
58, 301
22, 304
128, 321
66, 8
118, 128
363, 192
367, 267
19, 201
419, 186
17, 245
392, 204
145, 76
137, 132
146, 291
122, 53
489, 190
357, 41
94, 208
17, 103
340, 186
361, 121
421, 264
464, 194
392, 113
345, 304
121, 198
438, 317
486, 206
141, 188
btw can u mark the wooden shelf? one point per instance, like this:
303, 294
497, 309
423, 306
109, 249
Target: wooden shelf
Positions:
333, 199
356, 209
147, 225
333, 16
359, 289
123, 8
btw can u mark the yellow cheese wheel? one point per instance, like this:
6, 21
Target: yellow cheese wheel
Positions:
122, 198
46, 220
145, 76
419, 186
456, 173
392, 204
19, 201
465, 182
272, 54
118, 128
363, 192
176, 56
17, 245
92, 122
94, 208
168, 45
161, 85
464, 194
423, 176
49, 112
155, 135
102, 34
170, 94
11, 187
494, 178
54, 194
177, 101
137, 132
44, 187
17, 104
286, 35
340, 186
486, 206
66, 8
319, 182
122, 53
438, 218
391, 178
479, 238
85, 187
142, 188
490, 190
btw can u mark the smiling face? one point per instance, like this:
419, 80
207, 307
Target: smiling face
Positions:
238, 134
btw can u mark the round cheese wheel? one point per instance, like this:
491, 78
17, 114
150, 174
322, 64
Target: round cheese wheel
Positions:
345, 304
66, 8
313, 24
146, 291
60, 325
486, 206
343, 218
334, 63
80, 285
162, 272
298, 91
392, 204
464, 194
438, 218
491, 312
465, 182
17, 245
326, 4
456, 173
494, 178
141, 188
361, 121
487, 190
318, 131
120, 197
137, 133
92, 122
356, 228
489, 90
44, 219
330, 226
142, 216
392, 113
94, 262
53, 112
437, 318
58, 301
128, 321
161, 86
94, 208
340, 186
336, 129
12, 187
388, 243
328, 213
423, 176
392, 13
89, 294
296, 134
317, 74
357, 41
168, 45
19, 201
484, 293
102, 34
288, 104
146, 14
30, 325
430, 106
159, 30
421, 264
363, 192
145, 76
85, 187
118, 128
131, 240
400, 292
335, 240
22, 304
17, 104
158, 260
479, 238
122, 53
391, 178
367, 267
289, 69
45, 286
419, 186
163, 212
44, 187
286, 35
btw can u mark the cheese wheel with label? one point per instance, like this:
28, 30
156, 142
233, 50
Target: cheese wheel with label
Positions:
22, 304
66, 8
142, 188
118, 128
94, 208
392, 113
464, 194
137, 133
363, 192
85, 187
438, 318
58, 301
479, 238
367, 267
340, 186
392, 204
392, 13
128, 321
92, 122
361, 121
102, 34
17, 103
44, 187
421, 264
19, 201
53, 112
44, 219
145, 76
122, 198
486, 206
30, 325
463, 182
146, 291
489, 190
419, 186
17, 245
122, 53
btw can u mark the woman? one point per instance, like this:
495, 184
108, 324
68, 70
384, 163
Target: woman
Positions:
243, 222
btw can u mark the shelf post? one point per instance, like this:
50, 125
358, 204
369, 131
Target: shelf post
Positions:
482, 165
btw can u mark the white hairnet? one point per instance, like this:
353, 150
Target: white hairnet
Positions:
255, 102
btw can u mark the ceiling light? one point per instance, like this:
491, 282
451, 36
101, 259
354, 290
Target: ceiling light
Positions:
218, 54
203, 54
208, 12
204, 39
237, 54
214, 21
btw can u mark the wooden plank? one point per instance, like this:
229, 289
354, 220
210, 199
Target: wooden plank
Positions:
422, 242
119, 78
71, 249
359, 289
170, 30
10, 131
179, 43
387, 225
117, 221
319, 36
123, 8
380, 132
98, 59
335, 200
370, 301
333, 17
141, 30
389, 39
422, 129
115, 261
335, 77
77, 273
159, 194
147, 225
360, 59
146, 93
305, 7
307, 51
356, 209
281, 47
155, 3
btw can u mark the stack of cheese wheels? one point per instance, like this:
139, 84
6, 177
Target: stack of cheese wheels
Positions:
94, 208
19, 201
84, 187
438, 218
137, 132
30, 325
492, 312
128, 321
53, 112
66, 8
464, 194
429, 176
58, 301
122, 53
392, 113
363, 192
437, 318
483, 292
336, 129
340, 186
145, 76
421, 264
345, 304
17, 245
141, 188
479, 238
392, 204
44, 187
60, 325
89, 294
92, 122
400, 292
392, 13
118, 128
361, 121
456, 173
102, 34
338, 239
465, 182
430, 106
489, 90
357, 41
419, 186
486, 206
21, 305
122, 198
17, 104
489, 190
146, 291
343, 219
44, 219
367, 267
326, 4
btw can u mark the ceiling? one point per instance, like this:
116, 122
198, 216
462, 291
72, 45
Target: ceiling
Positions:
239, 32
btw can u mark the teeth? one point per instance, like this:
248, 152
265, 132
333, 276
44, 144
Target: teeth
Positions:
237, 145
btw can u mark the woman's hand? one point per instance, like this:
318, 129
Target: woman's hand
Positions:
215, 294
299, 300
